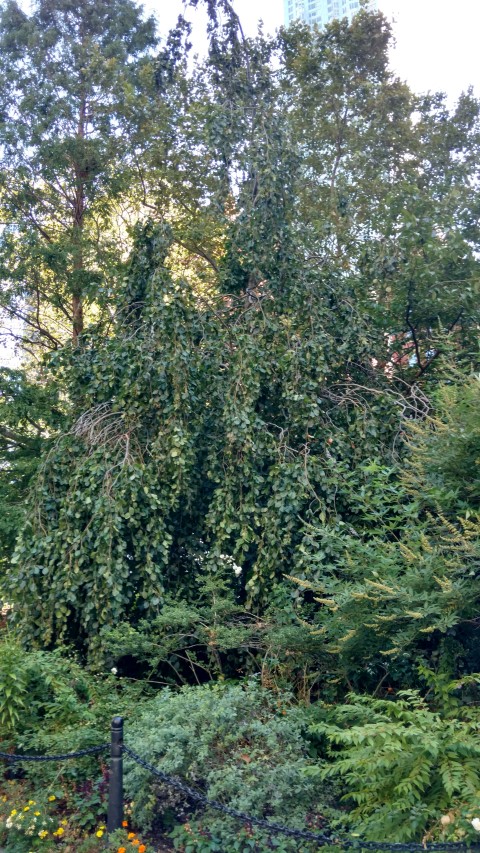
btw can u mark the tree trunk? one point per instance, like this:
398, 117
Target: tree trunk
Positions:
78, 224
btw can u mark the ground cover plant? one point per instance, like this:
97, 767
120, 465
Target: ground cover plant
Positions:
239, 744
239, 460
46, 827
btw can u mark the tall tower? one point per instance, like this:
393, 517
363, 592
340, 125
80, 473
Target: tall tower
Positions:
320, 12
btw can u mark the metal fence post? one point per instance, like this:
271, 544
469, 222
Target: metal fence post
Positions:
115, 786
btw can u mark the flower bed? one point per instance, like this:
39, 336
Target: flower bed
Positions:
45, 822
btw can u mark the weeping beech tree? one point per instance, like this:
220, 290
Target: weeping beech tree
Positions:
205, 431
235, 416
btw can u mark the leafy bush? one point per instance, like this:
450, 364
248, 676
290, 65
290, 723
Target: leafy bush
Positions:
240, 745
404, 575
216, 637
13, 687
411, 770
444, 464
50, 704
388, 602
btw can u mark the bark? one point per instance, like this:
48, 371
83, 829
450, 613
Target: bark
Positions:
78, 226
15, 437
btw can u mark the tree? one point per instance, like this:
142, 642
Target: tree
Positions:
389, 190
72, 76
31, 413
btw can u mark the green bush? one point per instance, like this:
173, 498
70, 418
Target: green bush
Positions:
215, 637
239, 745
401, 581
411, 768
443, 466
13, 688
50, 704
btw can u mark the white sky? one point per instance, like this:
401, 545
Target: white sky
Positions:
437, 40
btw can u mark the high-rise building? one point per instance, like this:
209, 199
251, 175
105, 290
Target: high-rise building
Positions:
322, 11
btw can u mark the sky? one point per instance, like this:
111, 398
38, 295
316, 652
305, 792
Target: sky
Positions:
437, 40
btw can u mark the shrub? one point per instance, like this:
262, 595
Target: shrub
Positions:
50, 704
215, 637
240, 745
411, 769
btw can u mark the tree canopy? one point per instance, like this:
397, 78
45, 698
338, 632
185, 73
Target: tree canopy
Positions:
242, 405
70, 130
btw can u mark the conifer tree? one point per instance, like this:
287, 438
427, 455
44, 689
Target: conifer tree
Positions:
72, 76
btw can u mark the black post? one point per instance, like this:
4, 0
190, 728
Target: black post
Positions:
115, 787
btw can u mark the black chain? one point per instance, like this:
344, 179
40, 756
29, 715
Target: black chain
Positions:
277, 828
90, 750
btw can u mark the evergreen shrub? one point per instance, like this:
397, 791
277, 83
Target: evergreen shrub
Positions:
241, 745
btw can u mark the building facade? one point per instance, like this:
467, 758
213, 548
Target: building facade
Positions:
321, 12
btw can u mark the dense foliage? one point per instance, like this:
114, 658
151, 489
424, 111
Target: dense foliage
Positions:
251, 454
73, 73
408, 763
240, 745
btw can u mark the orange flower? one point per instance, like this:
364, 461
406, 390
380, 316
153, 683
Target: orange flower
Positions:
130, 835
135, 841
122, 850
142, 848
124, 823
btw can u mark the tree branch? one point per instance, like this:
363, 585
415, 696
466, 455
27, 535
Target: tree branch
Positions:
196, 250
412, 330
15, 437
